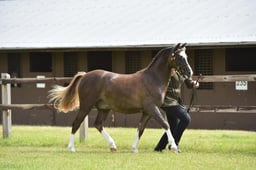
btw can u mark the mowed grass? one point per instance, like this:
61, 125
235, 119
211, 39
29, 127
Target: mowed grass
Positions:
39, 147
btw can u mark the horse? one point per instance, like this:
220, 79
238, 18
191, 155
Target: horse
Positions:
142, 91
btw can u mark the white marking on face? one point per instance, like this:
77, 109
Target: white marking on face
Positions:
184, 55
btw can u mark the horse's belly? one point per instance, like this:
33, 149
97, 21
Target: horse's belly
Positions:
121, 105
126, 110
123, 97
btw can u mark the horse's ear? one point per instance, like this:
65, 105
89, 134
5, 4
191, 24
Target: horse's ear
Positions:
176, 47
183, 45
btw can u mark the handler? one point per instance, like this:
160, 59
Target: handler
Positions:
177, 116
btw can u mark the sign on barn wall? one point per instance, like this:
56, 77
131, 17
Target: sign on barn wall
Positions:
241, 85
40, 85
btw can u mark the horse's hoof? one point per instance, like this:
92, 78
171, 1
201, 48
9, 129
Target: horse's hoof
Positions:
113, 149
135, 150
71, 149
173, 149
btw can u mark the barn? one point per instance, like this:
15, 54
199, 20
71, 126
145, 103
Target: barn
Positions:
59, 38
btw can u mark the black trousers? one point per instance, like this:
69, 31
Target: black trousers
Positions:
178, 119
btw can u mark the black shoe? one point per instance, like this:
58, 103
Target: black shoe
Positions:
158, 150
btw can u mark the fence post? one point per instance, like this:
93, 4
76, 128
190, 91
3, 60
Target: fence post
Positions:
84, 129
6, 99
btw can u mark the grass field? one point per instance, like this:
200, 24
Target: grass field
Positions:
35, 147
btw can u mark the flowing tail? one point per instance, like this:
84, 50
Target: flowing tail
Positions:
66, 99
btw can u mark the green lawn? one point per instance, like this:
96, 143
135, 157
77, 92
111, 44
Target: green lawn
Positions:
39, 147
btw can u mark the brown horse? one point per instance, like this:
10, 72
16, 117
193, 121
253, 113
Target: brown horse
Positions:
142, 91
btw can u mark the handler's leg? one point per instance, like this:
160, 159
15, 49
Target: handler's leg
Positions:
184, 118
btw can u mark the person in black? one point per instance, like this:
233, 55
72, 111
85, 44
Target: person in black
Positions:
177, 116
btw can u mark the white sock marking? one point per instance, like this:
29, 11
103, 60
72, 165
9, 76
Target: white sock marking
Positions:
109, 139
71, 145
135, 143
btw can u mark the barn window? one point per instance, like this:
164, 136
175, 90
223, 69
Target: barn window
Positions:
40, 62
14, 63
99, 60
240, 59
132, 61
70, 64
204, 65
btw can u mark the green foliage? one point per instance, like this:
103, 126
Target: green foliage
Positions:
35, 147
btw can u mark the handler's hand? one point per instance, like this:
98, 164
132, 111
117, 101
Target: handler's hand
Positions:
195, 84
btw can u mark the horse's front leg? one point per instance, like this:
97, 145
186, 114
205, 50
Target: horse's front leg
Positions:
102, 115
143, 122
171, 142
155, 112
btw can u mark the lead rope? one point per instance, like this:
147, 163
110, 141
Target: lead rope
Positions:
193, 94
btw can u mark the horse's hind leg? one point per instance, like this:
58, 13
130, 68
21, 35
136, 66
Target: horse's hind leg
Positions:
143, 122
75, 126
102, 115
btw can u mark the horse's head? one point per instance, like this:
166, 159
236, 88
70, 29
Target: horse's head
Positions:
179, 60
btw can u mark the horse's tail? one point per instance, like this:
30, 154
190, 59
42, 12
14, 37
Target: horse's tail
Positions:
66, 99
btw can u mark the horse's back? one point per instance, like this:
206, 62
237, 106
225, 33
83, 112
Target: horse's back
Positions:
119, 92
94, 79
110, 78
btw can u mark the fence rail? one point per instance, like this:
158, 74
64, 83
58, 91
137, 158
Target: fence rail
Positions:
194, 108
223, 108
35, 80
226, 78
6, 105
26, 106
206, 78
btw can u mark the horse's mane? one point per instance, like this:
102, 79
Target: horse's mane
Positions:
161, 53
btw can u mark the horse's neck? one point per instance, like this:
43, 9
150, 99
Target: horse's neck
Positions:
159, 70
